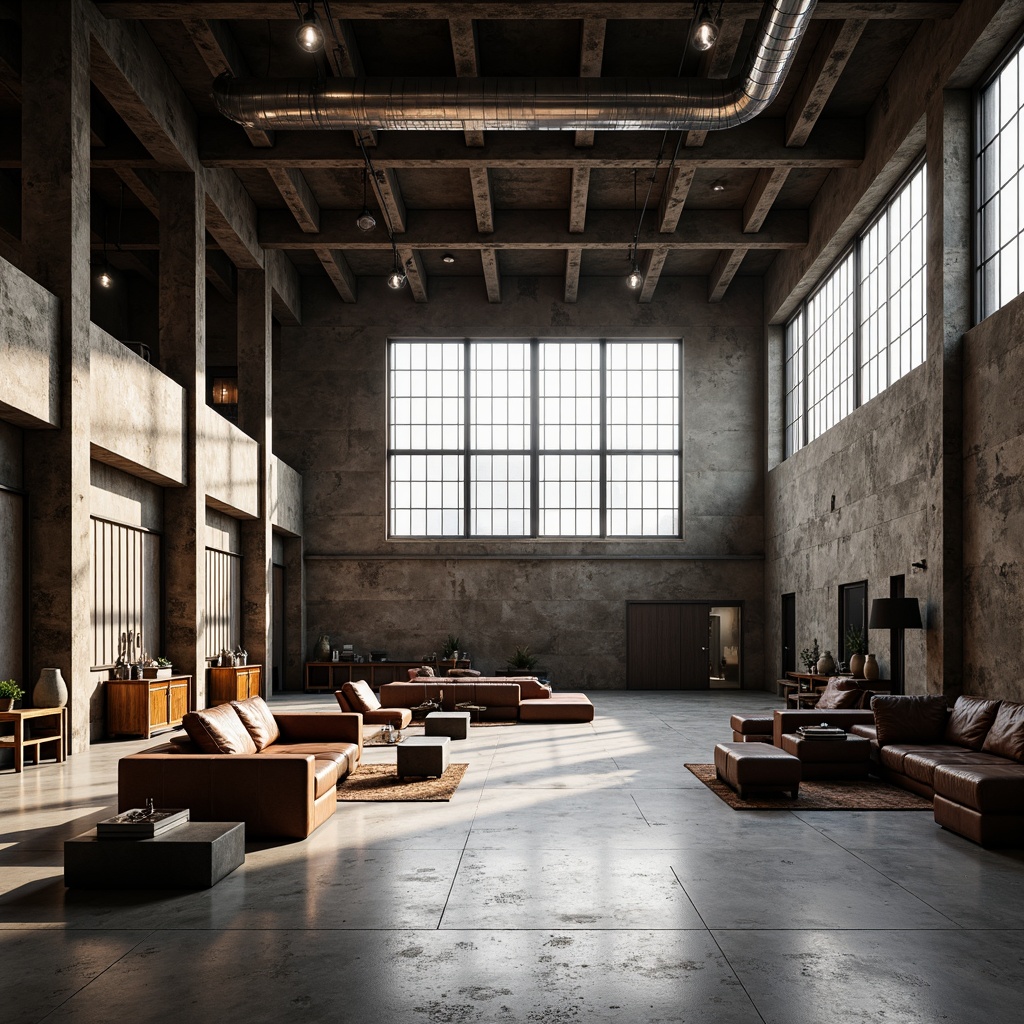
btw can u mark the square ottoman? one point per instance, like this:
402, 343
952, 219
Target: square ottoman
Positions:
747, 766
453, 724
423, 756
830, 759
752, 728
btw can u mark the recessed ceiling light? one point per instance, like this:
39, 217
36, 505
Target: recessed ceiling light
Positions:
717, 186
447, 258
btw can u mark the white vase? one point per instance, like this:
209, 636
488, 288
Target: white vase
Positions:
50, 690
871, 668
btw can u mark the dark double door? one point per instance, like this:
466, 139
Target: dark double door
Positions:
667, 645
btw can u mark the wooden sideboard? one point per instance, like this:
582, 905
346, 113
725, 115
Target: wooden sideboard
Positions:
327, 676
140, 707
227, 684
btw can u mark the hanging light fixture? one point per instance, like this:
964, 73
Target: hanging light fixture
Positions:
310, 34
105, 277
705, 32
397, 278
365, 221
634, 279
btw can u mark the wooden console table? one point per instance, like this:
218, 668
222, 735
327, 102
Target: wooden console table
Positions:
237, 683
327, 676
140, 707
53, 731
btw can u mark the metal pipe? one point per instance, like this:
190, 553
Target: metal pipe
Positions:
535, 104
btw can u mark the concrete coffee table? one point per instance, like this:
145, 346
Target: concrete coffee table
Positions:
454, 724
423, 756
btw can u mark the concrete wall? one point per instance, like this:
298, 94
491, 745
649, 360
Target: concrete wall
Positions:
994, 504
230, 465
286, 498
875, 463
29, 336
566, 600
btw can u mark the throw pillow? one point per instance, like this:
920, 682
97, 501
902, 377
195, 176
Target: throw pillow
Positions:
901, 719
218, 730
841, 692
970, 721
1006, 737
258, 721
425, 670
360, 697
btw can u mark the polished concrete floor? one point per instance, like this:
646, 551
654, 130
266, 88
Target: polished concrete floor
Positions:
580, 874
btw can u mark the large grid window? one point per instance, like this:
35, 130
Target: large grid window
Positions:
1000, 188
864, 327
535, 438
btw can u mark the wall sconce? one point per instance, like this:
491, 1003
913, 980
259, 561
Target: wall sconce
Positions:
921, 566
225, 391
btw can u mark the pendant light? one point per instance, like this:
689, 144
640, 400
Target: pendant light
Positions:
705, 32
310, 34
366, 221
397, 278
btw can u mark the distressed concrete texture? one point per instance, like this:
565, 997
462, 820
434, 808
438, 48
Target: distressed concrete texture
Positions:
994, 503
230, 465
875, 463
286, 497
555, 596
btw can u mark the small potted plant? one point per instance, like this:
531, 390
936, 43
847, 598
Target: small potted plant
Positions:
450, 648
161, 668
10, 691
522, 660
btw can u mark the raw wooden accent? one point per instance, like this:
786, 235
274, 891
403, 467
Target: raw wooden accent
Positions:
767, 186
414, 272
654, 262
591, 58
467, 61
40, 736
724, 271
483, 205
829, 60
389, 196
296, 193
717, 63
142, 184
140, 707
339, 272
573, 259
228, 684
673, 198
578, 199
492, 274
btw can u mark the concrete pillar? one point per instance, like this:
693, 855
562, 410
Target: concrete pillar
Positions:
182, 298
255, 418
295, 615
950, 273
55, 232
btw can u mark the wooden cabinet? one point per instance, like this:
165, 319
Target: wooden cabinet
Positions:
327, 676
227, 684
140, 707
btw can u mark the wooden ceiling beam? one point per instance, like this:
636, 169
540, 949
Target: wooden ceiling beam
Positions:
836, 142
298, 196
725, 269
573, 260
143, 185
466, 52
673, 198
483, 202
284, 10
591, 59
414, 272
492, 274
717, 63
384, 182
767, 186
349, 64
653, 264
221, 273
339, 272
579, 190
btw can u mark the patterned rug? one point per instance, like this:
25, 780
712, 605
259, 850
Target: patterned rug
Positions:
838, 795
380, 782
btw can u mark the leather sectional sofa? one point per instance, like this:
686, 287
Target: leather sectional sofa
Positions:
276, 772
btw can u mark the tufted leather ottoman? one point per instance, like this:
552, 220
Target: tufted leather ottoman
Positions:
746, 766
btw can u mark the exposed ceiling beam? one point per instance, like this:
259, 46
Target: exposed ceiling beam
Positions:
492, 274
653, 264
143, 185
286, 289
573, 259
467, 61
829, 60
220, 272
673, 198
384, 182
578, 192
350, 65
298, 196
10, 63
414, 272
339, 272
836, 142
767, 186
591, 59
284, 10
717, 63
483, 203
725, 269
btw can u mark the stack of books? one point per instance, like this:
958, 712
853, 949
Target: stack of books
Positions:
821, 732
347, 653
141, 824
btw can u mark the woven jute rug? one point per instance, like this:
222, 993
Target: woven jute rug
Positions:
380, 782
838, 795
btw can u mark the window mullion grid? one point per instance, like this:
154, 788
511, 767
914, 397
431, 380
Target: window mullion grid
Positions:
466, 434
602, 526
857, 390
680, 492
534, 437
804, 394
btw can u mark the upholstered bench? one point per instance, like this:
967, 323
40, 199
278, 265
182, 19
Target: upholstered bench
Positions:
751, 728
747, 766
559, 707
830, 759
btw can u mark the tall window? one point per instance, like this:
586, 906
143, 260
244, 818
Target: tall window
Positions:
999, 184
864, 327
535, 438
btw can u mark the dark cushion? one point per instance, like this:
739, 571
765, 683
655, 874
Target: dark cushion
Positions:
901, 719
970, 721
1006, 737
258, 721
841, 692
218, 730
360, 697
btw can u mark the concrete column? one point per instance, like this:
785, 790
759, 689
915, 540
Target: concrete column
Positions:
255, 418
775, 395
295, 616
55, 233
950, 273
182, 297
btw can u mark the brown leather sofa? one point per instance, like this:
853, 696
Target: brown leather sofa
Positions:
239, 762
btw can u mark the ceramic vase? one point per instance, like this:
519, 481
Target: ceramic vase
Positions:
323, 648
826, 665
50, 690
871, 667
6, 703
857, 666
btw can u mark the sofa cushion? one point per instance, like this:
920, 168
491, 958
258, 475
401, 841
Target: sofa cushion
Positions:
258, 721
970, 721
920, 762
987, 788
462, 673
840, 692
905, 719
1006, 737
218, 730
360, 697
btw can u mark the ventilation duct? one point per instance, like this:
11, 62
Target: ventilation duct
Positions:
544, 104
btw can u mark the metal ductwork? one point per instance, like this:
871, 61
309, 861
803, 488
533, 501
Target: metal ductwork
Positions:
533, 104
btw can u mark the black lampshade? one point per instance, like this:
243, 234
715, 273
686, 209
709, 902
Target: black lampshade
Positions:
895, 613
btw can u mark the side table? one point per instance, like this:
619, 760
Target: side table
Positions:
55, 732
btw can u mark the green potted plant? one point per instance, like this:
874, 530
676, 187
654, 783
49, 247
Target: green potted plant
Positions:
451, 647
855, 649
522, 660
160, 669
10, 691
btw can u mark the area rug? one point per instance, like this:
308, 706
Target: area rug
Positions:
840, 795
380, 782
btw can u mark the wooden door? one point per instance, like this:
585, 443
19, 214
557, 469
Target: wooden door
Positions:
695, 628
667, 645
788, 658
178, 698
